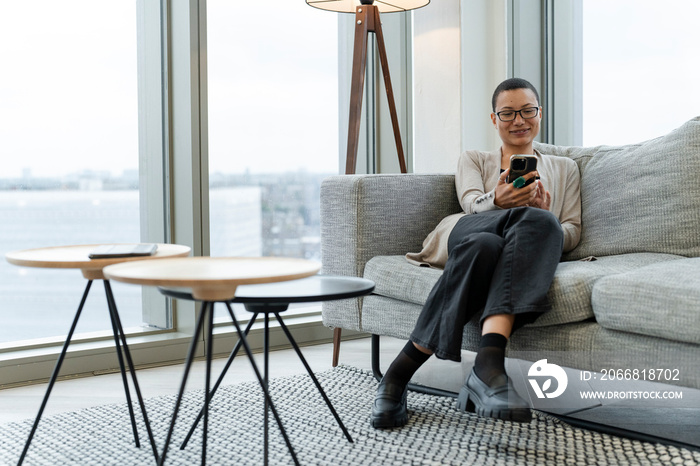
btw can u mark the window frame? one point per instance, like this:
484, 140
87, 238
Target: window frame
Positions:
545, 46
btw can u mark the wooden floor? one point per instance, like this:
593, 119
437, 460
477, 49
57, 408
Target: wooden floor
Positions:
70, 395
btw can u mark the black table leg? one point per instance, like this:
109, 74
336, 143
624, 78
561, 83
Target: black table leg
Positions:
206, 307
115, 333
118, 329
207, 397
262, 383
313, 377
231, 357
56, 370
266, 359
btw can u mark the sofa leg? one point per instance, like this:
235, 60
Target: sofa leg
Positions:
377, 372
336, 345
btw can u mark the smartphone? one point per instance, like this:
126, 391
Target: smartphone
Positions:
521, 165
108, 251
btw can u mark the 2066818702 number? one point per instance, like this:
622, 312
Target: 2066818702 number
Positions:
659, 375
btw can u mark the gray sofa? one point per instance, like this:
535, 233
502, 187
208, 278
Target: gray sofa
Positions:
628, 296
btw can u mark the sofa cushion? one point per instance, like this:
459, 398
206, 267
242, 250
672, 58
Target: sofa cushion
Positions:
659, 300
641, 197
395, 278
570, 293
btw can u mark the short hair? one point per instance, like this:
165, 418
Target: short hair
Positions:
512, 84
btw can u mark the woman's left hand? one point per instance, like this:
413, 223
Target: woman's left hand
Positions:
542, 198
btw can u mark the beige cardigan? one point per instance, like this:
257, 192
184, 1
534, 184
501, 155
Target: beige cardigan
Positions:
476, 178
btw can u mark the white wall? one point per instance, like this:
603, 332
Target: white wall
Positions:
484, 66
437, 88
459, 58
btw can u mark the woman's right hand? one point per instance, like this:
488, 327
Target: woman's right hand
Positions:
508, 196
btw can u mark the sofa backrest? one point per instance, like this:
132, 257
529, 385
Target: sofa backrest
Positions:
640, 197
363, 216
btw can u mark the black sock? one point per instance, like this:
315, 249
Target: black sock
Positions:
489, 364
405, 365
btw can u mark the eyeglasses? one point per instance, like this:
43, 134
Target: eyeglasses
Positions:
526, 113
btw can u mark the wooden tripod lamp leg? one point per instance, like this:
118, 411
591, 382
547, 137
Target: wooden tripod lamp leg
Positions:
389, 90
359, 65
364, 18
336, 345
367, 20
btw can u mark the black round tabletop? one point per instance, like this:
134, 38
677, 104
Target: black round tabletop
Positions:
311, 289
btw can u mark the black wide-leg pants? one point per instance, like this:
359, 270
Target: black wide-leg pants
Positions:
499, 262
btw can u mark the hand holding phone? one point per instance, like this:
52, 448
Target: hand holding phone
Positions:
522, 172
521, 165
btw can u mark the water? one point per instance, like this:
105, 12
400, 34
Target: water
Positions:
39, 303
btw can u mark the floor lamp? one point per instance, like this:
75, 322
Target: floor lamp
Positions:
366, 20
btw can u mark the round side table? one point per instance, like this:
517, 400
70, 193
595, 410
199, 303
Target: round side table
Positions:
275, 298
213, 279
78, 257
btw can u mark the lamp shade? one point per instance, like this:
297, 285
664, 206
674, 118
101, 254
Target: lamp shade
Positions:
349, 6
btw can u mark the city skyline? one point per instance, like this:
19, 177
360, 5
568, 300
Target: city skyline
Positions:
250, 215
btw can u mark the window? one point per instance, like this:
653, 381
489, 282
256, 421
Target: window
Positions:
640, 69
71, 137
90, 91
273, 126
69, 146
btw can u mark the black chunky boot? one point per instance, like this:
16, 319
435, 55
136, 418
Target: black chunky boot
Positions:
499, 401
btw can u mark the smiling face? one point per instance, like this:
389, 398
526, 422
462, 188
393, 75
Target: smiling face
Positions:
517, 135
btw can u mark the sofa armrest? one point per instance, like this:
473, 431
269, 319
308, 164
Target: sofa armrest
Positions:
363, 216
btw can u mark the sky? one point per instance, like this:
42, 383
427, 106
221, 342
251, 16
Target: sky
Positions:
68, 88
273, 87
641, 68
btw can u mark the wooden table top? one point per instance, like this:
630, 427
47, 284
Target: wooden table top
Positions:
306, 290
77, 257
212, 278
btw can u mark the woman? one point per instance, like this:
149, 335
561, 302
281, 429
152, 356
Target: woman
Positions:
499, 258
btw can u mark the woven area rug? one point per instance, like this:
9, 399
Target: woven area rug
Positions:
437, 434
